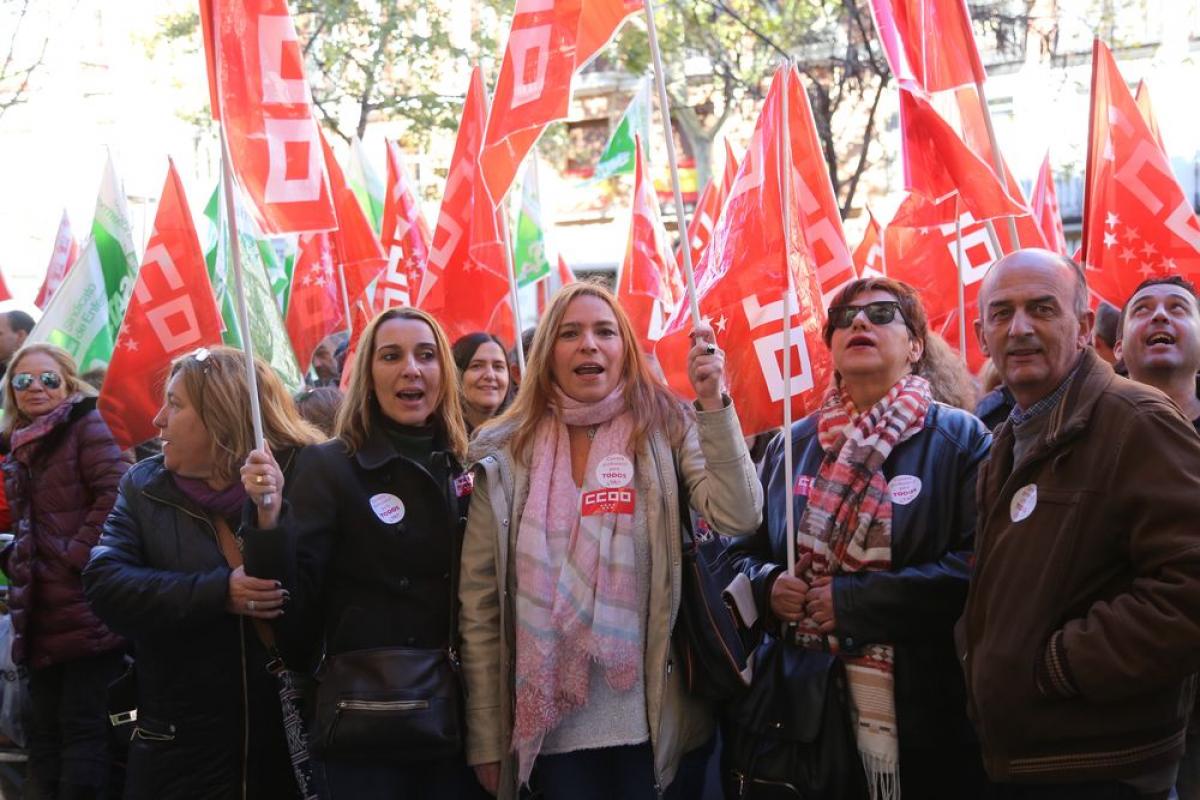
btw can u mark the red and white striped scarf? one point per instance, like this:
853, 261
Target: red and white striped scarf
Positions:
847, 527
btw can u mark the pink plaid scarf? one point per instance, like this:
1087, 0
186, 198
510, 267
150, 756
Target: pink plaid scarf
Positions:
847, 527
576, 583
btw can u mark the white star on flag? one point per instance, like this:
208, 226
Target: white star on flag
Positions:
1110, 240
1111, 220
720, 324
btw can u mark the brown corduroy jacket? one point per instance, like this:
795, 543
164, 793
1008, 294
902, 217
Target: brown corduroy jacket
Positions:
1082, 627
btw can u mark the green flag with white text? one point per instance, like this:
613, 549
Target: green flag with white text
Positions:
618, 156
267, 331
85, 314
529, 256
366, 184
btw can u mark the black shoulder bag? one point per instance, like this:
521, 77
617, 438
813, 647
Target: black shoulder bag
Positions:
714, 649
399, 704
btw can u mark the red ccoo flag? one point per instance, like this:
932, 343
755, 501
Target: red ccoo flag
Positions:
261, 97
868, 256
744, 271
650, 287
172, 312
1142, 98
466, 280
1137, 221
928, 43
315, 307
1044, 205
66, 250
405, 237
708, 207
548, 42
355, 248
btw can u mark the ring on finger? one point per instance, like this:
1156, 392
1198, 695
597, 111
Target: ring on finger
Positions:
710, 349
260, 479
250, 605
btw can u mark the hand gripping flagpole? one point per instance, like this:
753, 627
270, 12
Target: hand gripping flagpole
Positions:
235, 255
789, 302
664, 103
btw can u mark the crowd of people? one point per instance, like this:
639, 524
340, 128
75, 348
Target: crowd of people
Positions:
461, 579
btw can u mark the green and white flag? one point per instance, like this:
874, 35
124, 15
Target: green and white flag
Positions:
85, 313
529, 259
619, 154
270, 338
277, 254
366, 184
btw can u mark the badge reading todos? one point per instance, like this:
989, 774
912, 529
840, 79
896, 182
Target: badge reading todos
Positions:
615, 474
388, 508
1023, 502
904, 489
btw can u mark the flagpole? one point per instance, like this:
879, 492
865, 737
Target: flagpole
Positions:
341, 270
997, 161
789, 294
235, 255
665, 106
512, 283
958, 276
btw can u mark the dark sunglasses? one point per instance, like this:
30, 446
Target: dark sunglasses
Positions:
881, 312
49, 380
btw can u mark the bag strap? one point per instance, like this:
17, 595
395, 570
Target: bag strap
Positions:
233, 557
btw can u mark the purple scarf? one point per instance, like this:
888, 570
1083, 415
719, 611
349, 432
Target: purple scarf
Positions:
227, 502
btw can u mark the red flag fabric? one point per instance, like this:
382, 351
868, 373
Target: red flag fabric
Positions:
938, 164
355, 248
1142, 98
5, 294
708, 207
565, 273
1137, 220
1044, 205
172, 312
405, 237
741, 292
868, 256
466, 279
548, 42
650, 285
315, 307
928, 43
66, 250
261, 97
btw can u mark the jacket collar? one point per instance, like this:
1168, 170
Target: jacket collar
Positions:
378, 451
160, 486
71, 409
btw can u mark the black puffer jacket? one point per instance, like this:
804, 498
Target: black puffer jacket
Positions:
209, 720
914, 605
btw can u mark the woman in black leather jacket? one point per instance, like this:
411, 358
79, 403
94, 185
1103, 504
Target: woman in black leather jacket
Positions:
209, 722
884, 509
368, 539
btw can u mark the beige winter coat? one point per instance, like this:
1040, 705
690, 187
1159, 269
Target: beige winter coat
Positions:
723, 488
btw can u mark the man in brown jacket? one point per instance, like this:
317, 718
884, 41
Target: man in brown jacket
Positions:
1082, 627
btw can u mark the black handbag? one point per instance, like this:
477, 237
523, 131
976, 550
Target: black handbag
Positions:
791, 736
395, 703
713, 648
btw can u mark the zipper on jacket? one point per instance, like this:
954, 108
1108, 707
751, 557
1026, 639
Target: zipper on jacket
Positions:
672, 507
383, 706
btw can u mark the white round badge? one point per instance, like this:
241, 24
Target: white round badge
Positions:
388, 508
904, 489
614, 472
1023, 502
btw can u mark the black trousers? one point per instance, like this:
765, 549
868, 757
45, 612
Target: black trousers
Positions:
1099, 790
69, 744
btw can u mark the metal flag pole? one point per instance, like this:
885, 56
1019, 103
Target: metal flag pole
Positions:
789, 301
664, 103
341, 270
512, 282
997, 162
235, 256
958, 274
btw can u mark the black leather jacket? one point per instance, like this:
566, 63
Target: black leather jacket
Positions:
209, 720
913, 606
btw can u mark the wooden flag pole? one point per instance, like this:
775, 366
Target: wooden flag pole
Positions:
664, 103
789, 302
235, 256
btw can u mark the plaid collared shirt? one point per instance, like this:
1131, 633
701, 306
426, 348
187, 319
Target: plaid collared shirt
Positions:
1018, 416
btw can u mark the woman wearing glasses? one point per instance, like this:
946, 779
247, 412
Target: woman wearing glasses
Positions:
883, 497
209, 720
61, 474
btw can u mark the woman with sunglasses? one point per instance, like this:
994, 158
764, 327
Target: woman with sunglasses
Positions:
209, 719
61, 474
884, 503
571, 563
367, 541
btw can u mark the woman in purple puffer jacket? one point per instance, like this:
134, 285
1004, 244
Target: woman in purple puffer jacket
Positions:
61, 473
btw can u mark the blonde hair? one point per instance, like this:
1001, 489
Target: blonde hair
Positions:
216, 384
15, 418
652, 404
355, 418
